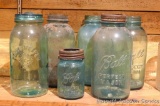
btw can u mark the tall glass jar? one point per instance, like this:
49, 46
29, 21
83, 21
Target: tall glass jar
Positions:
28, 56
71, 73
91, 24
60, 36
139, 51
112, 49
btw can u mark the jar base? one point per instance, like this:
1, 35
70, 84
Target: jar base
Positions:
27, 92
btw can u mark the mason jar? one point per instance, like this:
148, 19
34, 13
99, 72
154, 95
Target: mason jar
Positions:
112, 49
139, 51
60, 36
91, 24
28, 56
71, 73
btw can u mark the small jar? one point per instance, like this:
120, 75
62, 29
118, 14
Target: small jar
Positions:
60, 36
71, 73
112, 49
139, 51
28, 56
91, 24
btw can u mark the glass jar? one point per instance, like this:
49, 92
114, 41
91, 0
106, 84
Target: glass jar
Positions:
28, 56
91, 24
112, 49
139, 51
60, 36
71, 73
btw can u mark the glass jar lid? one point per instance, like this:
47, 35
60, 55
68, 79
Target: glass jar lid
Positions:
92, 18
120, 18
29, 16
71, 54
57, 17
133, 19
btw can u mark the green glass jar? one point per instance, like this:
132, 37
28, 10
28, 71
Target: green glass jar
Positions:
139, 51
71, 73
112, 49
60, 36
91, 24
28, 56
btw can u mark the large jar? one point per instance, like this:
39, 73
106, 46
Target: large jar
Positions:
71, 73
139, 51
112, 49
28, 56
60, 36
91, 24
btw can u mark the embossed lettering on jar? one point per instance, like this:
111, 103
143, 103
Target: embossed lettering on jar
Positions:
112, 49
139, 51
71, 74
28, 56
60, 36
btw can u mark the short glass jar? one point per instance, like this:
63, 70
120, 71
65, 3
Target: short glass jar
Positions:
60, 36
71, 73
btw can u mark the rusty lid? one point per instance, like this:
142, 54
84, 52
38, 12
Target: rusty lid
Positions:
113, 18
71, 54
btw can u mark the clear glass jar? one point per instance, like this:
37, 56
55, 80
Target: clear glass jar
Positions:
71, 74
91, 24
112, 49
28, 56
60, 36
139, 51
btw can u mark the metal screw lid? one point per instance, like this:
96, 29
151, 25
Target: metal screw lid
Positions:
57, 17
71, 54
28, 16
113, 18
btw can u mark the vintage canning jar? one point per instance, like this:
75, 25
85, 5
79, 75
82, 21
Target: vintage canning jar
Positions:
112, 49
60, 36
28, 56
91, 24
71, 73
139, 51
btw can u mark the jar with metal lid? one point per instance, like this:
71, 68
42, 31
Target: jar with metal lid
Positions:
60, 36
139, 51
28, 56
71, 73
91, 24
112, 49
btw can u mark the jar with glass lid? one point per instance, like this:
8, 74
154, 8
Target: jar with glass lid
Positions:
139, 51
91, 24
28, 56
60, 36
112, 49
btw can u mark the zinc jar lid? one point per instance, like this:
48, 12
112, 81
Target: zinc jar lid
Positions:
29, 16
113, 18
71, 54
92, 18
57, 17
133, 19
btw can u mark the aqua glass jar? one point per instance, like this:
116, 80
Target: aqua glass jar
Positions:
28, 56
71, 74
60, 36
112, 49
139, 51
91, 24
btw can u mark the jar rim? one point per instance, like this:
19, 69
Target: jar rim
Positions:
71, 54
117, 18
